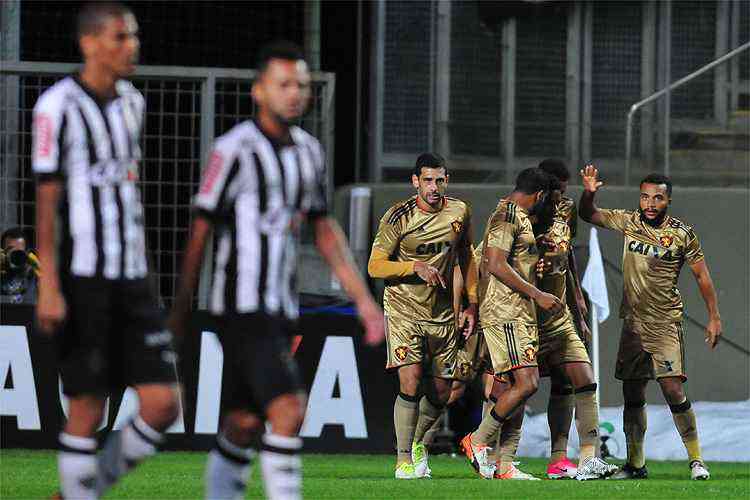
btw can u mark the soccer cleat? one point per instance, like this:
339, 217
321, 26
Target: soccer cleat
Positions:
627, 471
562, 469
406, 471
419, 458
698, 471
514, 473
477, 456
594, 468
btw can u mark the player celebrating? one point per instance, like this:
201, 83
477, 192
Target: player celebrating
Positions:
86, 151
656, 246
264, 176
562, 353
507, 308
417, 246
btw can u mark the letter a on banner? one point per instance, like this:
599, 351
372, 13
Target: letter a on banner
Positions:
337, 362
15, 358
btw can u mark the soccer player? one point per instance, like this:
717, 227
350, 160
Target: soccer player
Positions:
416, 248
656, 246
562, 354
508, 295
264, 177
95, 288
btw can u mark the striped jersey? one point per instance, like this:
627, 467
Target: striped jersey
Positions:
257, 190
92, 147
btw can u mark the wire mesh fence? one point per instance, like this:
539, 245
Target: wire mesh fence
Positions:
183, 114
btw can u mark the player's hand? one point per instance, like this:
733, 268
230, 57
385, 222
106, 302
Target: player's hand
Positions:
548, 302
467, 320
372, 319
430, 274
713, 332
50, 310
545, 243
543, 266
590, 181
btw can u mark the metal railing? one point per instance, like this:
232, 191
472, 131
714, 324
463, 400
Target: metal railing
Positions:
665, 91
186, 107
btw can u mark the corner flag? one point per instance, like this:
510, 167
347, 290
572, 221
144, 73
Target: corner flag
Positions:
593, 280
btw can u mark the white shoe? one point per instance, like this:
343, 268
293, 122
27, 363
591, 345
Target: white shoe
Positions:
595, 468
406, 471
698, 471
419, 457
478, 458
517, 474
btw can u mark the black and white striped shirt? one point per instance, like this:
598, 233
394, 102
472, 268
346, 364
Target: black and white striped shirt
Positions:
92, 147
257, 191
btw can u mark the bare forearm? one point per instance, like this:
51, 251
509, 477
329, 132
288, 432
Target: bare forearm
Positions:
332, 245
509, 277
587, 208
706, 286
48, 195
191, 265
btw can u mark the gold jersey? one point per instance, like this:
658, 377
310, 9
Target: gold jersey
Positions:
508, 229
560, 232
652, 258
407, 233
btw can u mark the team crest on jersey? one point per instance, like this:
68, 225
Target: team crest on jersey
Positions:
529, 354
666, 241
563, 246
456, 225
464, 369
401, 352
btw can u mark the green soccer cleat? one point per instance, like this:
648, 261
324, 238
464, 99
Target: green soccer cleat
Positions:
419, 458
406, 471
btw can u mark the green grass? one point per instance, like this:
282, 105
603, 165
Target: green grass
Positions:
32, 474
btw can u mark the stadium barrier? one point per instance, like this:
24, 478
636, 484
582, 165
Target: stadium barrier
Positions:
347, 387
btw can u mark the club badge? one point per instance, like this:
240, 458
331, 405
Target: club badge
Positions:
529, 354
457, 225
401, 352
666, 241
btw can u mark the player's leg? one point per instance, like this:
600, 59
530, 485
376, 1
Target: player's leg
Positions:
146, 361
228, 464
559, 418
509, 436
684, 419
76, 459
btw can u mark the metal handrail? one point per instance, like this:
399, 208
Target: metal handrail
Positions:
635, 107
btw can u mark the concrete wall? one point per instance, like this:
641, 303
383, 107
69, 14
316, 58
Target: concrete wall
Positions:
721, 218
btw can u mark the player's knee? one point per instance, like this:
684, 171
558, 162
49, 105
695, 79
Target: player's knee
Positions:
528, 386
160, 405
285, 414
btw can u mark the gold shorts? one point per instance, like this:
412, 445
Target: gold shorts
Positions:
511, 345
560, 346
470, 357
434, 346
650, 351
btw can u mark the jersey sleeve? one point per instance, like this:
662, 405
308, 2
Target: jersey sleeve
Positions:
214, 195
48, 137
616, 220
693, 249
319, 195
573, 220
502, 231
388, 235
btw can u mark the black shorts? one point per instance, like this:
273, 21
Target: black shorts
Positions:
113, 337
258, 362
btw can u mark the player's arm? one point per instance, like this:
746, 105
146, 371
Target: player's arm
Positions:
467, 319
496, 263
588, 210
708, 292
200, 231
51, 307
332, 245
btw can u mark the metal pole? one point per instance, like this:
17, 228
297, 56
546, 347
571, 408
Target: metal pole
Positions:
508, 103
721, 73
312, 33
10, 50
667, 41
586, 87
443, 78
208, 97
377, 70
573, 85
358, 109
648, 79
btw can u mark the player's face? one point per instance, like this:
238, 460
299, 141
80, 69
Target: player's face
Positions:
431, 185
563, 186
284, 89
115, 47
654, 200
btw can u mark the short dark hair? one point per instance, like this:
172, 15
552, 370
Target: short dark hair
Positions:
555, 167
658, 179
93, 15
429, 160
279, 49
532, 180
13, 233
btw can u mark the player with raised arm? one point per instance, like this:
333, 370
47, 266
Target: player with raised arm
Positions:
95, 288
507, 308
562, 354
417, 246
656, 246
263, 179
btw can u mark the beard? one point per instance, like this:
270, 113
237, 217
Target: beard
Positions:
656, 221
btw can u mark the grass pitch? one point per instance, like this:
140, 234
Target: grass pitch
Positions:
32, 474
